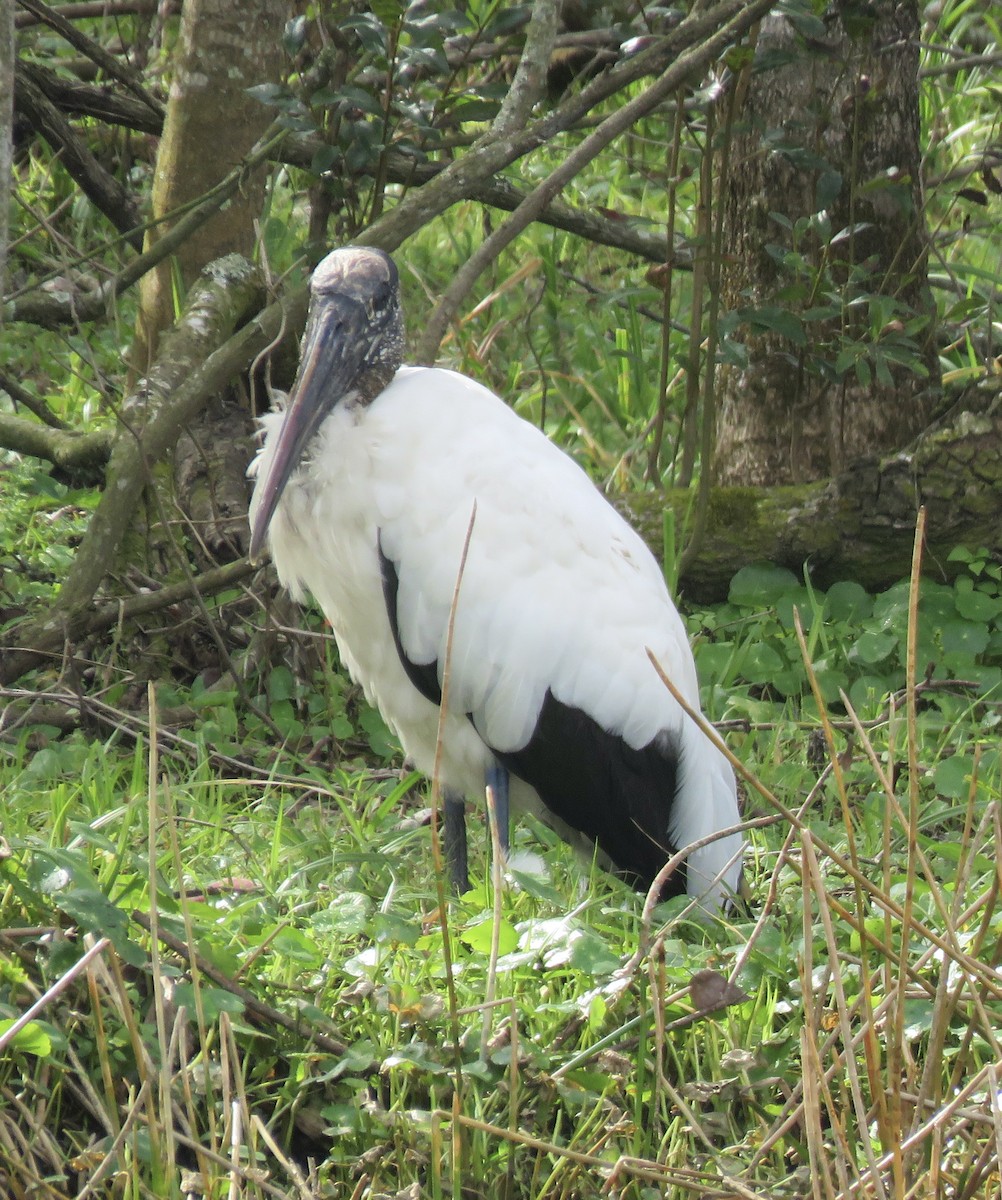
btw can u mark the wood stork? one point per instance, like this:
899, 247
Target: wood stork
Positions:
365, 490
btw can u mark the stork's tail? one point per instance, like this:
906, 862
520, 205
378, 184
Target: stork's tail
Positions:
706, 802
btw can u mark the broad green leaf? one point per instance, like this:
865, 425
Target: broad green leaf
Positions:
761, 585
593, 956
874, 646
777, 320
32, 1039
847, 601
964, 637
357, 1058
395, 929
214, 1000
294, 944
281, 683
976, 605
347, 915
92, 910
762, 663
952, 776
478, 937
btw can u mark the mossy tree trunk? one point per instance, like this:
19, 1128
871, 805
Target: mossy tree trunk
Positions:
830, 354
858, 524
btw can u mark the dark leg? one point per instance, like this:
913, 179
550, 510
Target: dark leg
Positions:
454, 821
497, 781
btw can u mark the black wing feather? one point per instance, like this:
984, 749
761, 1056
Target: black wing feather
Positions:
597, 783
424, 676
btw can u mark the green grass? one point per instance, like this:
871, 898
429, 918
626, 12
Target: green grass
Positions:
302, 1009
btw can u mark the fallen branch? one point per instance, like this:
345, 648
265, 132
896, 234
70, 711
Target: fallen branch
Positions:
858, 525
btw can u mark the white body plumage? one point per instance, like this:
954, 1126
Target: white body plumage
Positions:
558, 603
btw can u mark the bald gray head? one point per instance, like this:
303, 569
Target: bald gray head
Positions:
355, 313
352, 347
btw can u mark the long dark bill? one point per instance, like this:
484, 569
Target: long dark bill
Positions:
336, 347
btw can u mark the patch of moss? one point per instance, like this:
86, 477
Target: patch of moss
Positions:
734, 508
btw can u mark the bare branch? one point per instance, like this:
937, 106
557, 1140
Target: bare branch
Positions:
20, 395
73, 452
101, 188
530, 78
299, 150
114, 67
85, 100
92, 8
687, 65
491, 154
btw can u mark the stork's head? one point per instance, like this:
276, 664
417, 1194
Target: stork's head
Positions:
352, 347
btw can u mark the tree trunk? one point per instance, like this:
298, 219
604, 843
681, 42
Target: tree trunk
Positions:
7, 57
226, 47
832, 356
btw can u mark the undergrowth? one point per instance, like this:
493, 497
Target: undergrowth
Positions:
243, 983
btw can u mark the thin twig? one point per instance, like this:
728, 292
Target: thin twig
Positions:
436, 795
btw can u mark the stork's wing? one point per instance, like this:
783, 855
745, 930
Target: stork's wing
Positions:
557, 595
558, 601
